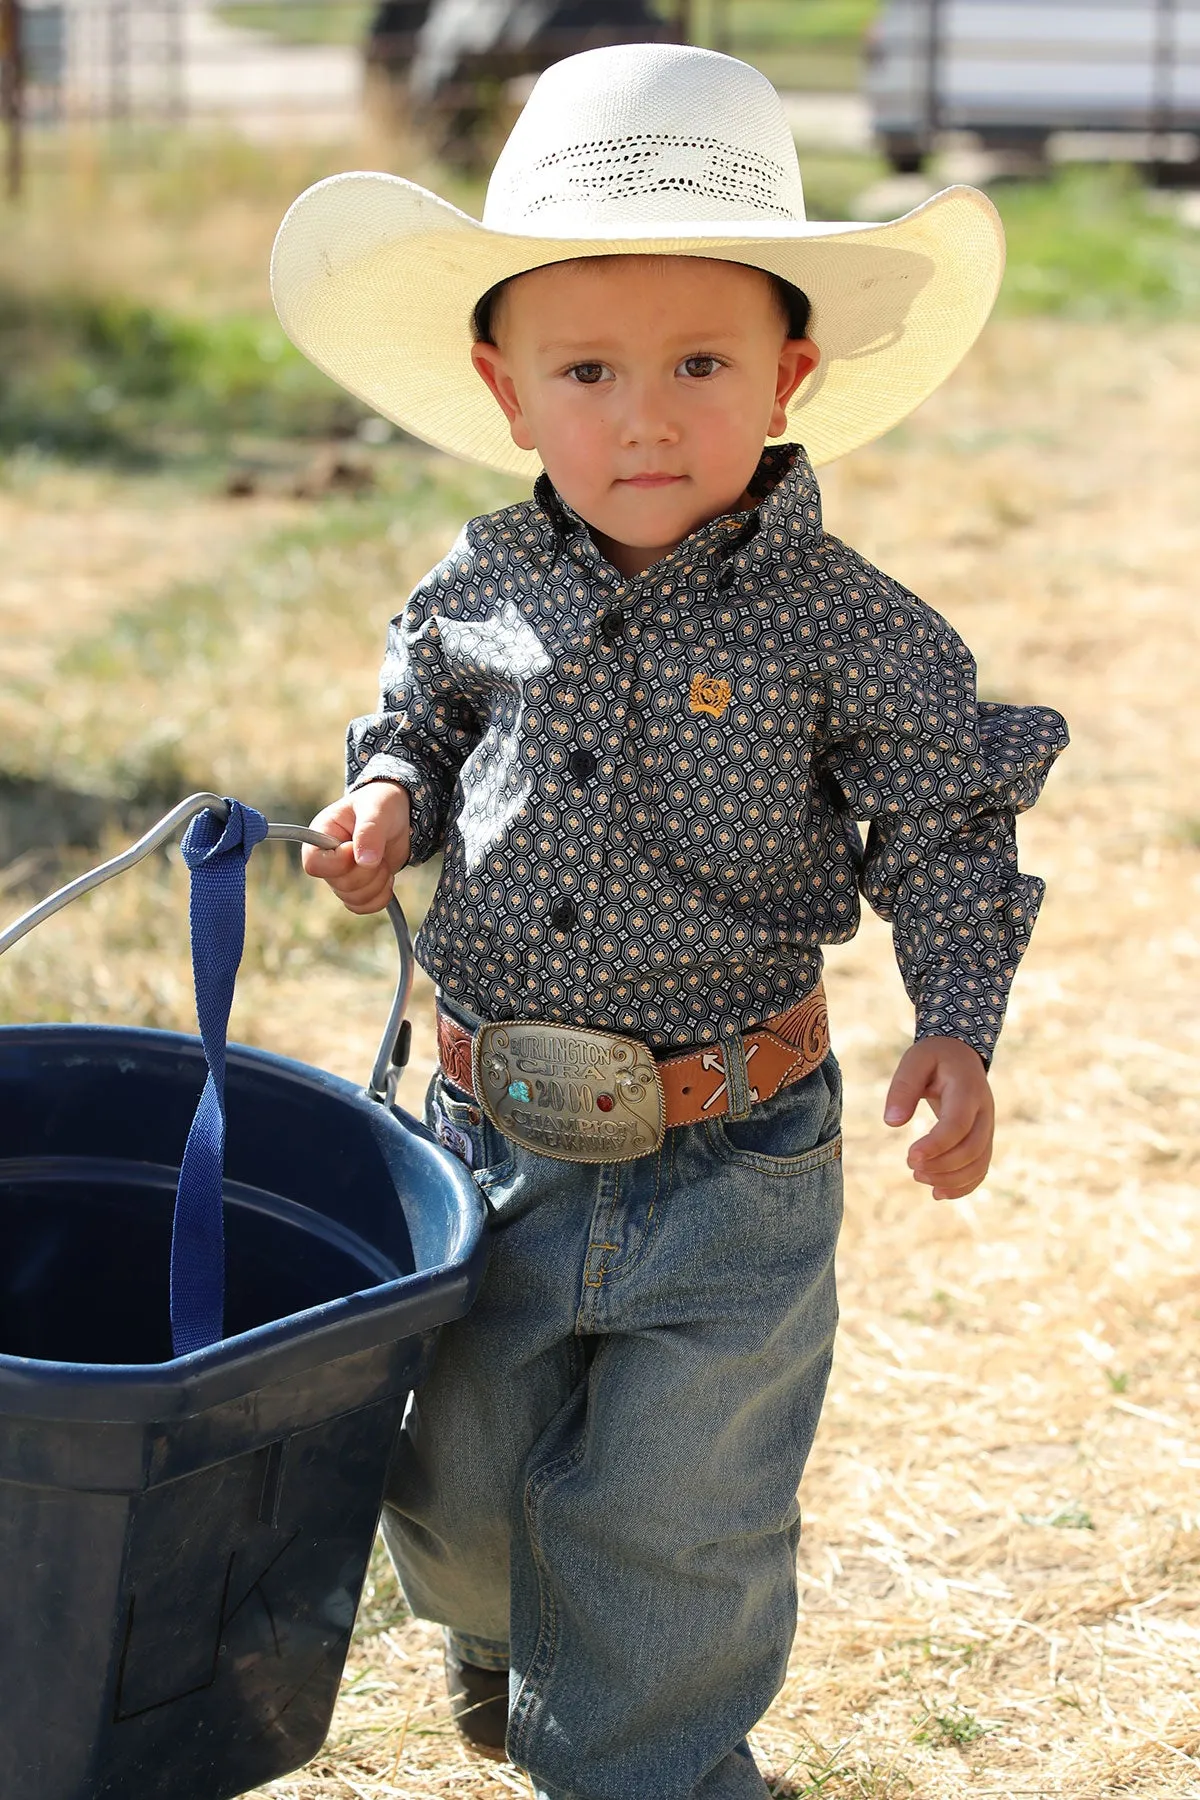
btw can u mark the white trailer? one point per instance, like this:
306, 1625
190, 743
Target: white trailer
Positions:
1016, 71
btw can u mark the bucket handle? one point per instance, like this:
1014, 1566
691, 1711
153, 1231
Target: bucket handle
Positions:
392, 1054
216, 847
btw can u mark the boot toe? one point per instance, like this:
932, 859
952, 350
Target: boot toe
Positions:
478, 1705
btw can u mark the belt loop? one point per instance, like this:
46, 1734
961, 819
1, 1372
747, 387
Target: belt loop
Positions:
737, 1078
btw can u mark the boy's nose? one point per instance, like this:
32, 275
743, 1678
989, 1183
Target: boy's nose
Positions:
648, 417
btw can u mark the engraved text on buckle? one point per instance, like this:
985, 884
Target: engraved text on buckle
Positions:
584, 1096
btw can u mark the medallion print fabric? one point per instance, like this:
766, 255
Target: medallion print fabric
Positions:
649, 789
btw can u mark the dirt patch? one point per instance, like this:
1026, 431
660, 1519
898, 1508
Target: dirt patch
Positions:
81, 545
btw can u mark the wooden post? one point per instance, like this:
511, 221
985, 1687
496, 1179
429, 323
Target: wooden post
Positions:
1164, 113
176, 100
118, 59
12, 76
933, 74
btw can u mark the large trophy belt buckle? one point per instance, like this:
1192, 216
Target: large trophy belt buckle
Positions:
582, 1096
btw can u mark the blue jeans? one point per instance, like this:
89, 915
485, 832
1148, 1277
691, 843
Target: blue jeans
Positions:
597, 1482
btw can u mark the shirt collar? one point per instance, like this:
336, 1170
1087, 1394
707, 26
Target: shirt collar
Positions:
787, 496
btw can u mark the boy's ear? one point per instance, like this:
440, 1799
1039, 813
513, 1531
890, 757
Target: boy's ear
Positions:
490, 365
798, 358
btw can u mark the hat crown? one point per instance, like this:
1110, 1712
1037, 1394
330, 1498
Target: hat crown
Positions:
639, 134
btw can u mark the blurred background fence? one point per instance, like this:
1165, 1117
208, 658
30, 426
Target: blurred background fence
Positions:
303, 64
1119, 78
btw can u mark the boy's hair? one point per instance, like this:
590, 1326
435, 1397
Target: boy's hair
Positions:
793, 303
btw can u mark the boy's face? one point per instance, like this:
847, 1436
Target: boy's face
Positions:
647, 385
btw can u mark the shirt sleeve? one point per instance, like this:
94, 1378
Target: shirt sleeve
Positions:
426, 726
939, 778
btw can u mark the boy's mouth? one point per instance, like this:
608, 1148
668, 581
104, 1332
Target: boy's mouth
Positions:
649, 480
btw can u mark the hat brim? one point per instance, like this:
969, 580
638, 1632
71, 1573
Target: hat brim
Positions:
375, 280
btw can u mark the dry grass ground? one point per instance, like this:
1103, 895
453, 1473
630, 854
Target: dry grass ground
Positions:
1000, 1573
180, 220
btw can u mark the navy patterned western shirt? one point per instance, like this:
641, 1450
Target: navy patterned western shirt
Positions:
649, 788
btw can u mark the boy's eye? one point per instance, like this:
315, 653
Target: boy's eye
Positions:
587, 373
700, 366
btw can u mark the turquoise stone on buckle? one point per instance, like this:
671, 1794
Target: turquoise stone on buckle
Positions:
579, 1095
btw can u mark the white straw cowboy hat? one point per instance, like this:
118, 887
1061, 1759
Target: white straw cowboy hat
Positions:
650, 149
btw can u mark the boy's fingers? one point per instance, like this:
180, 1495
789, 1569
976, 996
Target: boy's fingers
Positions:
947, 1143
336, 821
957, 1116
352, 880
908, 1087
326, 865
954, 1121
959, 1181
373, 826
375, 822
376, 903
963, 1183
952, 1157
362, 890
369, 841
370, 835
367, 897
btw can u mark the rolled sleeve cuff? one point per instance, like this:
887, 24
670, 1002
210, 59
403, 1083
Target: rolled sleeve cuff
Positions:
970, 1008
968, 999
425, 813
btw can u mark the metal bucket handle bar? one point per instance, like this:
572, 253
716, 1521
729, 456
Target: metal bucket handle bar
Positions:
393, 1048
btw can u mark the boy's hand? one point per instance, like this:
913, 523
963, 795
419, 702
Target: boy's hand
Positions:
953, 1158
373, 824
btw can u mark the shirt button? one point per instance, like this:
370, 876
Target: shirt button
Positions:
562, 915
582, 764
612, 626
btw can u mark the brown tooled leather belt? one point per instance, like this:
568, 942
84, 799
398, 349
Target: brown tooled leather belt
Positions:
780, 1051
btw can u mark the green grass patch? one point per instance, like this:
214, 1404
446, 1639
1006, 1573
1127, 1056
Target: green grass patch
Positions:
301, 21
956, 1727
1096, 243
87, 376
1072, 1517
844, 1771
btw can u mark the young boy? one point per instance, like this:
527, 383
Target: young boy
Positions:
642, 715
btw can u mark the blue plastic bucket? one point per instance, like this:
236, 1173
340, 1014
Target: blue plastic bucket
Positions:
183, 1539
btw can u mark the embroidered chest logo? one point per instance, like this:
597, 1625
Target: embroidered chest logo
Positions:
708, 695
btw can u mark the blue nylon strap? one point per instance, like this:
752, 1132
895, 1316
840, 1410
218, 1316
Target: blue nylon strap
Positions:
216, 854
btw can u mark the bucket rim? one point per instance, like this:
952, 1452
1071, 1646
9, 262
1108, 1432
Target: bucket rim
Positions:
139, 1393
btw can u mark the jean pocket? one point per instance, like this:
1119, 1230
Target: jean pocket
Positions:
458, 1121
797, 1130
